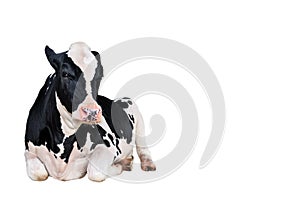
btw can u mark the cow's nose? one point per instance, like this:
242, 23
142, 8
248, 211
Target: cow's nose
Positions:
91, 113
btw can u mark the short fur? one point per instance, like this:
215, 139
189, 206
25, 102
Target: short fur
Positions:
58, 144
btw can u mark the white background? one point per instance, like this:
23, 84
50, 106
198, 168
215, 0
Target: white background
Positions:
253, 48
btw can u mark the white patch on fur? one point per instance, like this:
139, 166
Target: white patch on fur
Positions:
105, 126
125, 148
82, 56
88, 143
61, 148
69, 126
101, 164
139, 137
35, 168
38, 156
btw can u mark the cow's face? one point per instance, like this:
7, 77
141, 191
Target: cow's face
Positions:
78, 75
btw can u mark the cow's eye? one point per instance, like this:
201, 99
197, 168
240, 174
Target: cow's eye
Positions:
65, 74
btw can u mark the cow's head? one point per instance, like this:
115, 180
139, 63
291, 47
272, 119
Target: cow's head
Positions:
78, 75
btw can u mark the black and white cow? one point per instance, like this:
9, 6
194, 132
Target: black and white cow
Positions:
71, 130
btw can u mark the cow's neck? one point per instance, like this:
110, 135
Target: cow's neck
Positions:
69, 126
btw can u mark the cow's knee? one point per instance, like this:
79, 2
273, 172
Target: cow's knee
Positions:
114, 170
95, 174
99, 175
126, 163
35, 168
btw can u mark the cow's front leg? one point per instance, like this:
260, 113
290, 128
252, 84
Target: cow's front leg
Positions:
35, 168
126, 163
101, 165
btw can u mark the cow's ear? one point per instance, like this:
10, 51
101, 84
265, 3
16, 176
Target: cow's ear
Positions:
52, 57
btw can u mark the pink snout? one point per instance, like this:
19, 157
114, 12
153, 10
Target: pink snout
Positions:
91, 113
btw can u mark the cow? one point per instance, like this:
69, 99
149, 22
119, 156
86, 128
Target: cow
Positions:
72, 131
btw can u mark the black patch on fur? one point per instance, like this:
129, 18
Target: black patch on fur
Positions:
116, 118
131, 117
95, 83
26, 145
131, 125
107, 144
97, 136
122, 104
71, 88
93, 146
46, 139
117, 146
110, 137
68, 147
43, 125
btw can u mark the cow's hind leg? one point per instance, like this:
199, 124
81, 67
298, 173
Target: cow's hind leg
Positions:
101, 165
141, 147
35, 168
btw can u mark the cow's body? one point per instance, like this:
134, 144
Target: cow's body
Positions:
66, 148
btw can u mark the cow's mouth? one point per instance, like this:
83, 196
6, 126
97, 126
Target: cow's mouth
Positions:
91, 120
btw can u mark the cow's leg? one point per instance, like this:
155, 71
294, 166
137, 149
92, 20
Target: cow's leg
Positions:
101, 165
35, 168
126, 163
141, 147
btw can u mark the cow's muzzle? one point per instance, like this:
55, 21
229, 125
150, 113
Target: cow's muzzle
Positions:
91, 113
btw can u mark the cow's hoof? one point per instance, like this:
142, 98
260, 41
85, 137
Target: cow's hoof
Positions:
126, 163
39, 177
148, 165
127, 168
97, 177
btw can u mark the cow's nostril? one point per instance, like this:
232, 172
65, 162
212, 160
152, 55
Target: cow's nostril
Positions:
85, 110
98, 111
90, 114
90, 118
